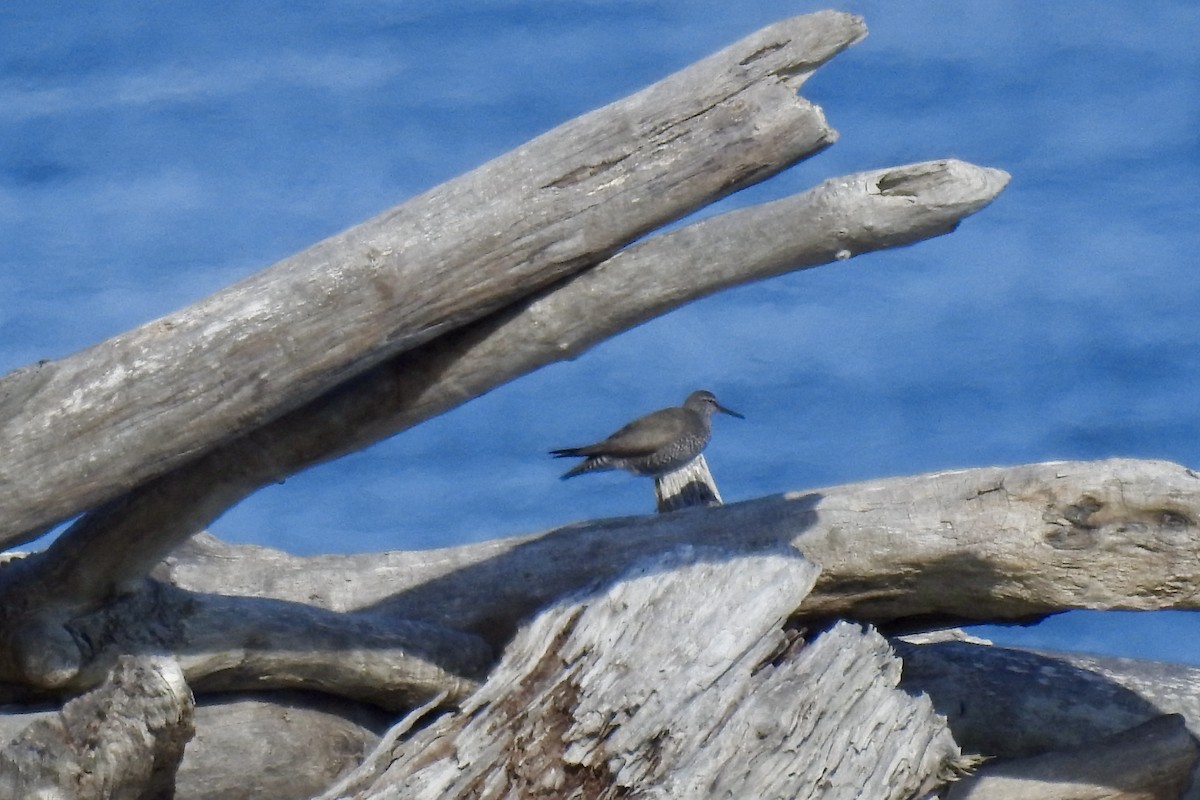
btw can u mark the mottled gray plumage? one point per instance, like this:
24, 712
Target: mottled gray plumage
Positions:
655, 444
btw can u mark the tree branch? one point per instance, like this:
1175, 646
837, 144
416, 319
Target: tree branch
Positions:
855, 214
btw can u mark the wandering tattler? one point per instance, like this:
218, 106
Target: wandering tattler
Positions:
655, 444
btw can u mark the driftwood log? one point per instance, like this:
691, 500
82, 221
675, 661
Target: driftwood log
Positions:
472, 588
991, 544
123, 740
280, 338
1098, 727
705, 652
1153, 760
589, 702
313, 738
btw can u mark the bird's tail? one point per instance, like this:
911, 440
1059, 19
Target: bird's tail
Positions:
590, 463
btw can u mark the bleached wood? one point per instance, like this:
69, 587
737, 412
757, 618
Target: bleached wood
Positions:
309, 741
367, 772
288, 368
981, 544
592, 699
1082, 513
121, 741
83, 429
849, 215
1153, 761
994, 707
274, 746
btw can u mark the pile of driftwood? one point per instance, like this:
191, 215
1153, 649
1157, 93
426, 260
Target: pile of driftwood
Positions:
750, 650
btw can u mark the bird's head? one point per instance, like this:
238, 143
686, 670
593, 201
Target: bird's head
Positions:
705, 402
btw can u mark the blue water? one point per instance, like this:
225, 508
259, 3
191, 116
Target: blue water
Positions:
156, 152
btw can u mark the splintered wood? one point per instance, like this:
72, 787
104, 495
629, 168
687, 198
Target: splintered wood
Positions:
644, 684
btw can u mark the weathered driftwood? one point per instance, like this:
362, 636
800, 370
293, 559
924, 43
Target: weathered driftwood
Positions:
1017, 703
1153, 761
592, 699
858, 213
1132, 508
441, 299
117, 544
565, 200
227, 643
47, 598
105, 554
121, 741
980, 544
311, 743
231, 643
368, 771
312, 740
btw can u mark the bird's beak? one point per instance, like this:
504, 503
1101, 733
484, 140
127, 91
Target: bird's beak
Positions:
729, 411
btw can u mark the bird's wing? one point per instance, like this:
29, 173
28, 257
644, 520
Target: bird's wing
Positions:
645, 435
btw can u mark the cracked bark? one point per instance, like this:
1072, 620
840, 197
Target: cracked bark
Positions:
589, 701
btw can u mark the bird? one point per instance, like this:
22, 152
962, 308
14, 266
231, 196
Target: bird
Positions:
655, 444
